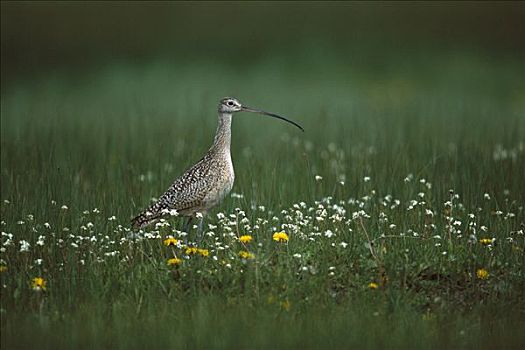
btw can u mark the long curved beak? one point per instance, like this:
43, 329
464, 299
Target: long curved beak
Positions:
252, 110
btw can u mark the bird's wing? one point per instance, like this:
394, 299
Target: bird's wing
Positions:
188, 190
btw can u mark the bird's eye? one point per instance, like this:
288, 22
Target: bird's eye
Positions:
230, 103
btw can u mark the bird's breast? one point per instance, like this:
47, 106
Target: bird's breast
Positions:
223, 182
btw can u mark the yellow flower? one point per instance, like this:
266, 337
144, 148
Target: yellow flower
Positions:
203, 252
246, 239
170, 241
38, 284
373, 285
246, 255
3, 268
174, 261
486, 241
191, 250
280, 237
482, 274
285, 305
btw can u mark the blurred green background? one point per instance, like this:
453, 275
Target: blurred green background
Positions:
42, 36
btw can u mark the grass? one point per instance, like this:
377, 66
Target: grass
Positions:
397, 179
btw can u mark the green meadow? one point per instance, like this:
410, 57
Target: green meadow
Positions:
400, 208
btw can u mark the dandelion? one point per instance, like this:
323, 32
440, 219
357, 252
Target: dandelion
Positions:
170, 241
245, 239
280, 237
203, 252
486, 241
373, 285
191, 250
285, 305
482, 274
38, 284
246, 255
174, 262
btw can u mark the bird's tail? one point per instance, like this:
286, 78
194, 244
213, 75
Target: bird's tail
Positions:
144, 219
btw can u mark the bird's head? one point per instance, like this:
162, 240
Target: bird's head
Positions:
230, 105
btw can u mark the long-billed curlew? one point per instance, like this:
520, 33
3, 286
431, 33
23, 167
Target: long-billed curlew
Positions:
206, 183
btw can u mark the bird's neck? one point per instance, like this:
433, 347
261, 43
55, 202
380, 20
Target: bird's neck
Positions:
223, 134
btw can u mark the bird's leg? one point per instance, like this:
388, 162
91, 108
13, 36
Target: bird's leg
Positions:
201, 222
186, 228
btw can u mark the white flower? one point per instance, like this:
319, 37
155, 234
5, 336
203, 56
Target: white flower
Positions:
40, 240
112, 218
38, 261
47, 225
318, 178
343, 244
24, 246
64, 207
297, 255
366, 179
486, 196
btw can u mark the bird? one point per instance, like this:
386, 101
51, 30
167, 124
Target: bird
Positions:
205, 184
